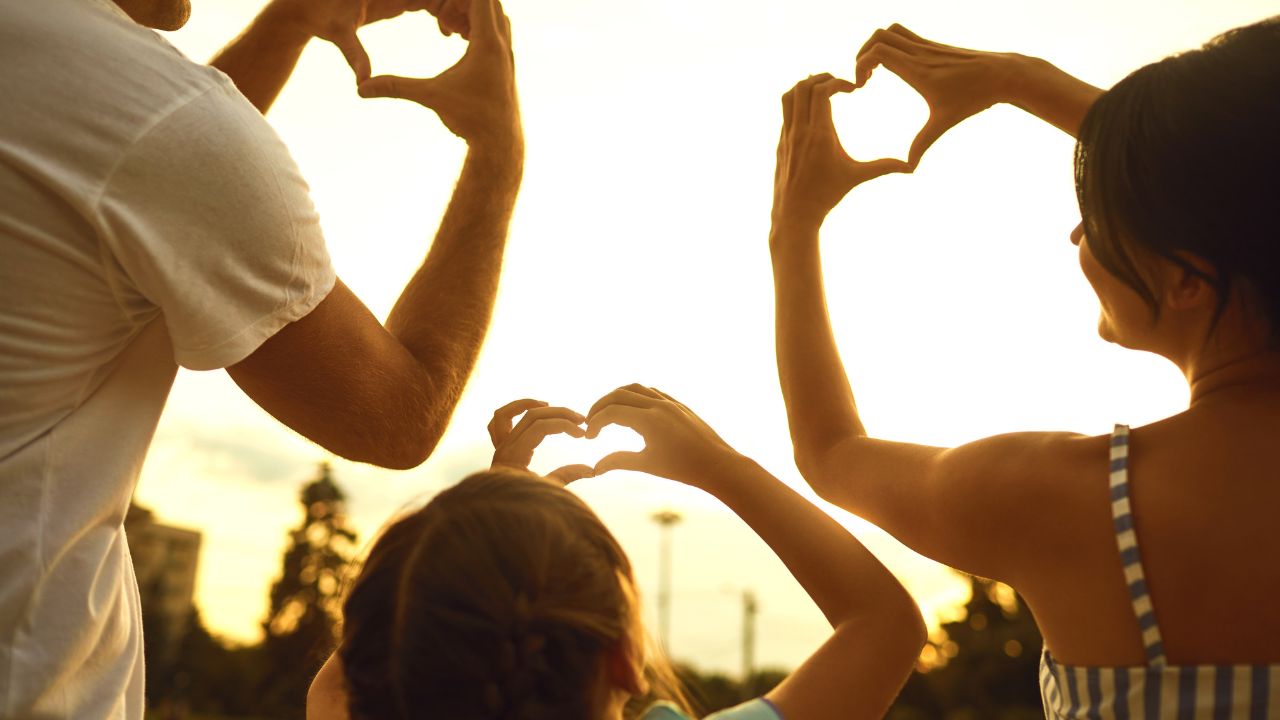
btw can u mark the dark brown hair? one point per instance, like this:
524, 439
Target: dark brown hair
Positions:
1182, 157
497, 600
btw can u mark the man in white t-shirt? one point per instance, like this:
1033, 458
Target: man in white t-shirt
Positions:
151, 218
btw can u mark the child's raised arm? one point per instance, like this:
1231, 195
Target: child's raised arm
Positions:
878, 628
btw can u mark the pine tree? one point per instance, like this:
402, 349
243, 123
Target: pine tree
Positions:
301, 628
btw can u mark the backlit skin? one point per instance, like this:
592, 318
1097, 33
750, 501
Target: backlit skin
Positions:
1032, 508
1123, 314
157, 14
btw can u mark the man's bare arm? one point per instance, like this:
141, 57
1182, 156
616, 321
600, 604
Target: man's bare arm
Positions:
384, 394
263, 57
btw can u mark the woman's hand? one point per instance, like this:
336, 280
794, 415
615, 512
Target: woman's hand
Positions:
955, 82
678, 444
513, 446
814, 172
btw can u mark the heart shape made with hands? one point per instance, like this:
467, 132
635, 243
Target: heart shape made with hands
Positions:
557, 451
342, 23
879, 119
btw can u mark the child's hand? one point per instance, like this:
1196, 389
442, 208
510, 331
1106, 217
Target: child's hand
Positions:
514, 446
678, 444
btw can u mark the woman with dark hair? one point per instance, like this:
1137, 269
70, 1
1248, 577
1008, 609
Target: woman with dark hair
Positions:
506, 598
1147, 557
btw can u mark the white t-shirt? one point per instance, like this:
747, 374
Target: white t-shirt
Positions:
149, 218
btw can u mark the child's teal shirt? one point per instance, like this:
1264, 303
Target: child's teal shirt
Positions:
758, 709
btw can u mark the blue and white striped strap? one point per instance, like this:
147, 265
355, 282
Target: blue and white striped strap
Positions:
1127, 541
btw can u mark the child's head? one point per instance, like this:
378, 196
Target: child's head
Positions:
504, 597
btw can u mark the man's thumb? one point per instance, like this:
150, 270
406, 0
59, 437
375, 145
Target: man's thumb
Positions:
391, 86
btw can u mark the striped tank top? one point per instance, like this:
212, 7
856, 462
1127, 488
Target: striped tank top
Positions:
1156, 690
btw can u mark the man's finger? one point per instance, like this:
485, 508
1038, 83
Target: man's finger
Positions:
788, 110
900, 63
482, 19
820, 108
357, 58
392, 86
892, 38
451, 21
884, 166
898, 29
804, 95
623, 460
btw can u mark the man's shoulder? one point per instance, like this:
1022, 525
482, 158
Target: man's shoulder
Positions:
84, 84
85, 60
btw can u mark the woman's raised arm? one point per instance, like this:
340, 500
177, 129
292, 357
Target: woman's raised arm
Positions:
959, 506
878, 631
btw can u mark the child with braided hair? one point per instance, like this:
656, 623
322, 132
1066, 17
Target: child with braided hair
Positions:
506, 598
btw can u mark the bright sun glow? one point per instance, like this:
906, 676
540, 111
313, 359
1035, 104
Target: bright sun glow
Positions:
638, 254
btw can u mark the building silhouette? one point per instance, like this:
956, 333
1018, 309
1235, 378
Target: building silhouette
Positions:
165, 560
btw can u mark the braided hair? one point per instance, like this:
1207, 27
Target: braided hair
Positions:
496, 601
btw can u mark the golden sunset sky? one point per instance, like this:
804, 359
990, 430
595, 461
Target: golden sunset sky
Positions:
639, 254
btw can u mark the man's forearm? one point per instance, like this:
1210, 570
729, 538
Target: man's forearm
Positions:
820, 406
263, 57
1040, 88
443, 314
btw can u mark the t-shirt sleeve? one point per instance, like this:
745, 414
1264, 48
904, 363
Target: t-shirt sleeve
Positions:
207, 218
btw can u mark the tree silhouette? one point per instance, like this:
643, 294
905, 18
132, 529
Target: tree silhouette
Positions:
985, 666
300, 629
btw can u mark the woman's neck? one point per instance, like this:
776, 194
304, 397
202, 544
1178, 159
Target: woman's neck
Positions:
1227, 375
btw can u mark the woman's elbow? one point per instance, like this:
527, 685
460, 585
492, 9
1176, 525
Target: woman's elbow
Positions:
813, 468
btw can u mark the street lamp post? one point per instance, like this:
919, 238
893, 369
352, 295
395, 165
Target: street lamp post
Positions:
665, 519
749, 610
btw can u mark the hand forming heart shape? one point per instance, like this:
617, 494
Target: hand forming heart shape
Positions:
338, 20
955, 82
678, 444
514, 446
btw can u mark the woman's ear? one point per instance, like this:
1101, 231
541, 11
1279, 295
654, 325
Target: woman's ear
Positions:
1187, 288
624, 663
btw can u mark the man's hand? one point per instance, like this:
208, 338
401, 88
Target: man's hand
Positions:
476, 98
338, 20
814, 172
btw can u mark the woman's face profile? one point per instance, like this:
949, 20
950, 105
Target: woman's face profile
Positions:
1123, 317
